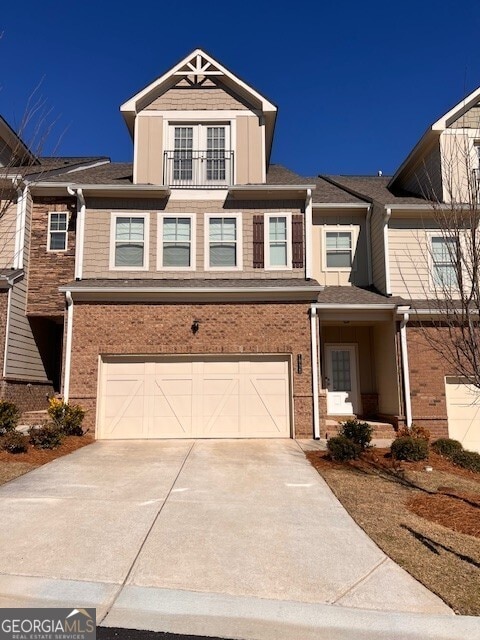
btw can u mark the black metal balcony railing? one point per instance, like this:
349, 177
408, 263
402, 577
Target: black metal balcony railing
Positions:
188, 169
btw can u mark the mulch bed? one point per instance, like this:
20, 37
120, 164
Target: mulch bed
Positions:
38, 457
452, 509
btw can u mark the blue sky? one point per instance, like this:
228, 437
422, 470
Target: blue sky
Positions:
356, 83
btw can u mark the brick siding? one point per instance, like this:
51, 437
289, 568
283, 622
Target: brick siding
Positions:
49, 270
28, 396
166, 329
427, 382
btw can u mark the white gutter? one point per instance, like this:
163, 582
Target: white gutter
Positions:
341, 205
386, 218
80, 231
405, 369
369, 241
313, 290
315, 389
147, 188
68, 347
308, 235
354, 307
272, 187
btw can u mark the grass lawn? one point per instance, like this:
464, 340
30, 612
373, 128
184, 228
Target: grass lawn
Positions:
13, 465
427, 521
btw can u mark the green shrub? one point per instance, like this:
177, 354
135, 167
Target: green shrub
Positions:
48, 436
414, 432
447, 447
358, 432
341, 448
409, 448
467, 459
9, 416
67, 417
14, 442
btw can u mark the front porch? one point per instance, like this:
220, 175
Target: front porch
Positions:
360, 372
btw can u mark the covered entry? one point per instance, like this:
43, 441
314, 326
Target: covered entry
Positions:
194, 397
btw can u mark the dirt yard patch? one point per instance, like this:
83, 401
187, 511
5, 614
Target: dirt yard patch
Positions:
427, 521
13, 465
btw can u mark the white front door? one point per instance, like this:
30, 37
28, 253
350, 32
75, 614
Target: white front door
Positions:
341, 379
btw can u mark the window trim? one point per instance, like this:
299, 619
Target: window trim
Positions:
266, 226
49, 249
239, 230
339, 228
146, 240
431, 264
193, 240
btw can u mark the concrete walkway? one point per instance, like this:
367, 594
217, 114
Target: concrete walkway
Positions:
238, 539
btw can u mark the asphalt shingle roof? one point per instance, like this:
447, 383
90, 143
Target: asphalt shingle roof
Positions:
196, 283
53, 164
111, 173
375, 188
354, 295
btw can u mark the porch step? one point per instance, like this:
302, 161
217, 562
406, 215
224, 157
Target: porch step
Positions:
32, 418
381, 430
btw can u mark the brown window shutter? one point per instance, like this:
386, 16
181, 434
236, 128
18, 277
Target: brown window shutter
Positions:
297, 242
258, 243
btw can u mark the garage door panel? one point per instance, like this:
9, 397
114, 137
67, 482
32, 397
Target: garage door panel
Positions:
231, 397
463, 410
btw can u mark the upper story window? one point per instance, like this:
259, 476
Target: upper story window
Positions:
278, 241
176, 242
199, 156
444, 252
338, 249
129, 242
223, 242
57, 231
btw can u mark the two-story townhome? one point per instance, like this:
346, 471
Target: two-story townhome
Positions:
186, 276
30, 367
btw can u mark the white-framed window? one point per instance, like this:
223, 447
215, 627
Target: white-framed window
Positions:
200, 154
57, 231
176, 242
339, 247
223, 241
443, 252
129, 244
278, 241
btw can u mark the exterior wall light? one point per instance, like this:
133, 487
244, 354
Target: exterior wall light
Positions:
195, 326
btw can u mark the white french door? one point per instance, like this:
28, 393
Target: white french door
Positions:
341, 379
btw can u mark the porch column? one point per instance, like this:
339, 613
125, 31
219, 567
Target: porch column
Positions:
405, 369
315, 371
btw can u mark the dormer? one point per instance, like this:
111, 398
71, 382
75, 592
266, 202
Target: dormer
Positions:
200, 127
445, 163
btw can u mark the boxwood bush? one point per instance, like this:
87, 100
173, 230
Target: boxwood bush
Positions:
446, 447
342, 449
358, 432
67, 417
14, 442
467, 459
409, 449
48, 436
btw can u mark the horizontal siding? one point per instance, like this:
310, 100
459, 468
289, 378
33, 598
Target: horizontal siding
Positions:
378, 248
409, 258
347, 222
425, 177
23, 358
8, 223
97, 237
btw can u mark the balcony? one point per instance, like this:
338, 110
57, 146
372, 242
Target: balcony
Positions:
188, 169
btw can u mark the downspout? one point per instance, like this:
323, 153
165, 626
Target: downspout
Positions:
79, 232
308, 235
369, 244
386, 218
68, 347
405, 369
7, 333
313, 329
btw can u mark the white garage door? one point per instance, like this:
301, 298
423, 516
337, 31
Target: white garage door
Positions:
230, 397
463, 410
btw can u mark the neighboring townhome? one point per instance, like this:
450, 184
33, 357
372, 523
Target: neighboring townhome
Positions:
425, 241
29, 350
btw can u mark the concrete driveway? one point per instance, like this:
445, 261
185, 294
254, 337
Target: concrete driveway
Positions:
198, 537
